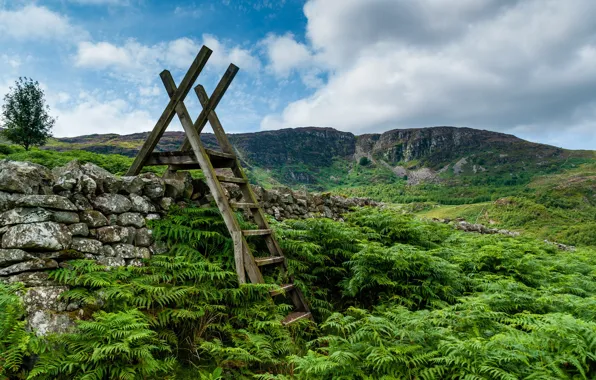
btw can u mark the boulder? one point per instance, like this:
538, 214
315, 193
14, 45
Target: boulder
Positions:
67, 177
141, 204
13, 256
166, 203
111, 261
66, 217
131, 219
93, 218
30, 279
143, 237
38, 236
86, 245
107, 251
112, 203
178, 184
24, 215
153, 186
125, 251
131, 185
46, 310
105, 181
6, 201
81, 202
113, 234
28, 266
24, 177
46, 201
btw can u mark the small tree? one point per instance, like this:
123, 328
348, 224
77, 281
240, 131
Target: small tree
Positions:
25, 114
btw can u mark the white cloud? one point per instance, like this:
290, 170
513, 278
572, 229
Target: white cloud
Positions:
135, 60
485, 64
36, 22
89, 114
286, 54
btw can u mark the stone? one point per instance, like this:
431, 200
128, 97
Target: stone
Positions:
107, 251
81, 202
88, 185
46, 201
153, 186
13, 256
111, 261
178, 184
105, 181
143, 237
67, 177
141, 204
93, 218
166, 203
112, 203
24, 177
22, 215
66, 217
40, 236
86, 245
132, 185
158, 248
27, 266
134, 263
131, 219
113, 234
142, 252
153, 217
6, 201
79, 229
31, 279
125, 251
44, 322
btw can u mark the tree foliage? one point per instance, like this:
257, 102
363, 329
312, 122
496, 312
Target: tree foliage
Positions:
26, 116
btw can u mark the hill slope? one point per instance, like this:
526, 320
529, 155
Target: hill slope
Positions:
324, 158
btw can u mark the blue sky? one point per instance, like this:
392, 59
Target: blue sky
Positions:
526, 67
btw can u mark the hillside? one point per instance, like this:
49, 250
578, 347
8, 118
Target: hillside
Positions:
324, 158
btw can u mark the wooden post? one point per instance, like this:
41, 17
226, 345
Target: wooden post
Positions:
169, 112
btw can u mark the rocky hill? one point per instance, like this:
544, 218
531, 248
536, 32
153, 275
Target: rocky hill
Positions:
317, 156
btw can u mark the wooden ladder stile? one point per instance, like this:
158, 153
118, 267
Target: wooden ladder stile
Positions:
208, 160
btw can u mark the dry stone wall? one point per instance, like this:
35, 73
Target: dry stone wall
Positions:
48, 217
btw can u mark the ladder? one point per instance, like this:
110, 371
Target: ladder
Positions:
193, 155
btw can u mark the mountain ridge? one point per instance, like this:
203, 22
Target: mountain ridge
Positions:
313, 156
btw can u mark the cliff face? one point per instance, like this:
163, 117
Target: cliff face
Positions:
301, 155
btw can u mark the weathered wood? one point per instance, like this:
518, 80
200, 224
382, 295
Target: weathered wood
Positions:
269, 260
239, 256
256, 232
169, 112
222, 178
218, 130
296, 316
244, 205
211, 178
214, 100
283, 289
166, 158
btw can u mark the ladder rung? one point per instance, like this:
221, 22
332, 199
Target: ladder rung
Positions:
215, 153
285, 288
231, 179
269, 260
256, 232
172, 158
295, 316
244, 205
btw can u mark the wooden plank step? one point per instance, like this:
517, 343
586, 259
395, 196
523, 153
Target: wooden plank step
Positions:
223, 178
244, 205
215, 153
284, 289
269, 260
171, 158
256, 232
295, 316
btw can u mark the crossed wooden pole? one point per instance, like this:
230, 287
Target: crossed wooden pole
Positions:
176, 106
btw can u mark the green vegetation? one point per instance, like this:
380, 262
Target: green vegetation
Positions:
394, 297
26, 119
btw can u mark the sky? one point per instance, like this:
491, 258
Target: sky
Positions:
524, 67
